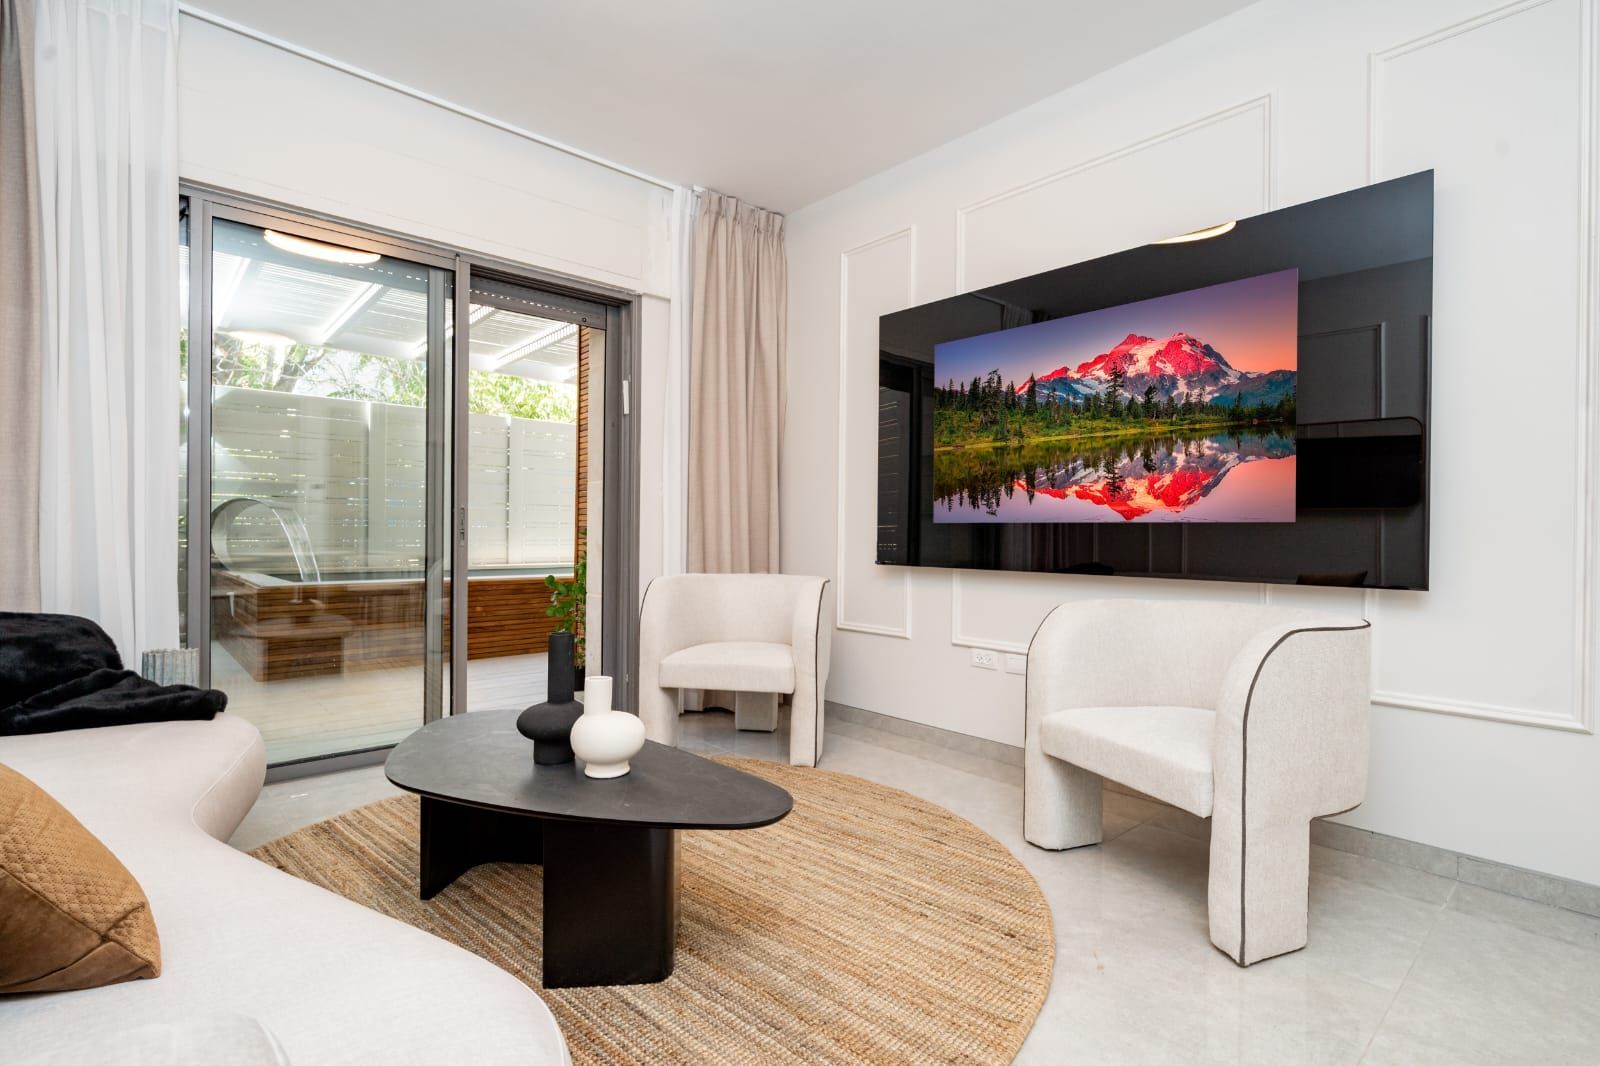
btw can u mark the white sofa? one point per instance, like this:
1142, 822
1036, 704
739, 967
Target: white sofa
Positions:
333, 982
1252, 716
760, 634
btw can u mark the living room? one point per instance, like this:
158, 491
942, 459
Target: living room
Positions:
974, 519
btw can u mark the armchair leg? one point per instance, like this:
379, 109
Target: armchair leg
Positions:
1259, 886
756, 711
1060, 804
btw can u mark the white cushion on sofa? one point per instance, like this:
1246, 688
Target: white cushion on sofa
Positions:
734, 665
1163, 752
336, 983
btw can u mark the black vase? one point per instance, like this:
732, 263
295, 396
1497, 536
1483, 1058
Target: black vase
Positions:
549, 724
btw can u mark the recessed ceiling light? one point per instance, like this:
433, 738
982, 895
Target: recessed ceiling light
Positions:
1200, 234
328, 253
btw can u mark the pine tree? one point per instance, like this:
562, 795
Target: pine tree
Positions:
1149, 401
1113, 392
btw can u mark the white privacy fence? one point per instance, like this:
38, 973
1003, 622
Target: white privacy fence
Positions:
353, 471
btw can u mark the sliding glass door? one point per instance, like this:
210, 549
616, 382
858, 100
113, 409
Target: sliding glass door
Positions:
355, 438
533, 355
327, 385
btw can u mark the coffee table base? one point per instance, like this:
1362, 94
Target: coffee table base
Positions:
610, 891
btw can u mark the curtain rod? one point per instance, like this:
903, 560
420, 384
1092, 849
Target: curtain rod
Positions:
253, 34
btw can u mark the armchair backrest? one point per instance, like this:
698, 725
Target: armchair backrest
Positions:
700, 608
1142, 652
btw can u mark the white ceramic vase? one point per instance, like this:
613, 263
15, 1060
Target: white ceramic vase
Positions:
603, 738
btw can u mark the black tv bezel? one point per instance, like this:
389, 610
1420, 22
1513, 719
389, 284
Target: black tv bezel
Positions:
1380, 226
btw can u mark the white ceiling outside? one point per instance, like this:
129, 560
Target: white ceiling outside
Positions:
262, 294
778, 103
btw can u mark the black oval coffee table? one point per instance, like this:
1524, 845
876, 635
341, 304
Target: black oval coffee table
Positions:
609, 848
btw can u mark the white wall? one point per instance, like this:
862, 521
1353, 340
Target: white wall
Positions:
261, 120
1484, 685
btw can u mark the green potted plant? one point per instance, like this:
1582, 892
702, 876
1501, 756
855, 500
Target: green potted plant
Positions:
567, 600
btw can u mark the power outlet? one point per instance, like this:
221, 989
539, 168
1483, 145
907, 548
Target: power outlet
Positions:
1016, 664
985, 659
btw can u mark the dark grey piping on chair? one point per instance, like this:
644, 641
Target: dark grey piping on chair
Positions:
1244, 761
638, 682
816, 682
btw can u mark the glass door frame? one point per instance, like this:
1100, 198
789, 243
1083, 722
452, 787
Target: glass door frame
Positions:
446, 523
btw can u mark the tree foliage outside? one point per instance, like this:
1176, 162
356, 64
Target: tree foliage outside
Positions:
309, 370
987, 411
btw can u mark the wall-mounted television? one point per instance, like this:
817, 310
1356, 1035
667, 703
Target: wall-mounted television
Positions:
1249, 402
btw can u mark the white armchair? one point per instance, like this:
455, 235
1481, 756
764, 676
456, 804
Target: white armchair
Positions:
1253, 716
757, 635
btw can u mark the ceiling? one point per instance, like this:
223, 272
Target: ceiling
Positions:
780, 103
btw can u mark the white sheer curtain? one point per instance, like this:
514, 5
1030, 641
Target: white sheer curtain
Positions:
106, 90
19, 315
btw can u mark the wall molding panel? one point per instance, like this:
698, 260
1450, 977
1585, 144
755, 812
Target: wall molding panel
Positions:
1578, 715
1260, 106
1376, 61
964, 640
900, 628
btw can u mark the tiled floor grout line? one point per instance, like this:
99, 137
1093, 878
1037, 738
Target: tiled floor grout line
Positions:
1422, 945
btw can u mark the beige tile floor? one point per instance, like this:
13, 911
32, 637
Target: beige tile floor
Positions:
1403, 967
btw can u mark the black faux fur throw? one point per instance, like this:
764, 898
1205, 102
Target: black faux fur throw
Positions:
59, 672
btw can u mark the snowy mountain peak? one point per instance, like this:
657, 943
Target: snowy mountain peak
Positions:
1177, 364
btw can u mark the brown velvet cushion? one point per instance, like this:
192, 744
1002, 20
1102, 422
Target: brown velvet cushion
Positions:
71, 916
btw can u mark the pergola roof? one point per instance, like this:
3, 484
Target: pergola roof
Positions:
375, 308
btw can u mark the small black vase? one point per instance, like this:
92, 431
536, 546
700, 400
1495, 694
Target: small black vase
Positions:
549, 724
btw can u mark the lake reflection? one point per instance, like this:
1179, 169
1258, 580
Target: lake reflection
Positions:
1212, 477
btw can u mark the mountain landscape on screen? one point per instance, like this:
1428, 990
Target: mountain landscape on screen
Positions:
1148, 411
1176, 366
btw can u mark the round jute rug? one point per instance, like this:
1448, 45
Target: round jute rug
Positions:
867, 926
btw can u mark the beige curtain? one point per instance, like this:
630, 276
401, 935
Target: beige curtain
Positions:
20, 359
736, 386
